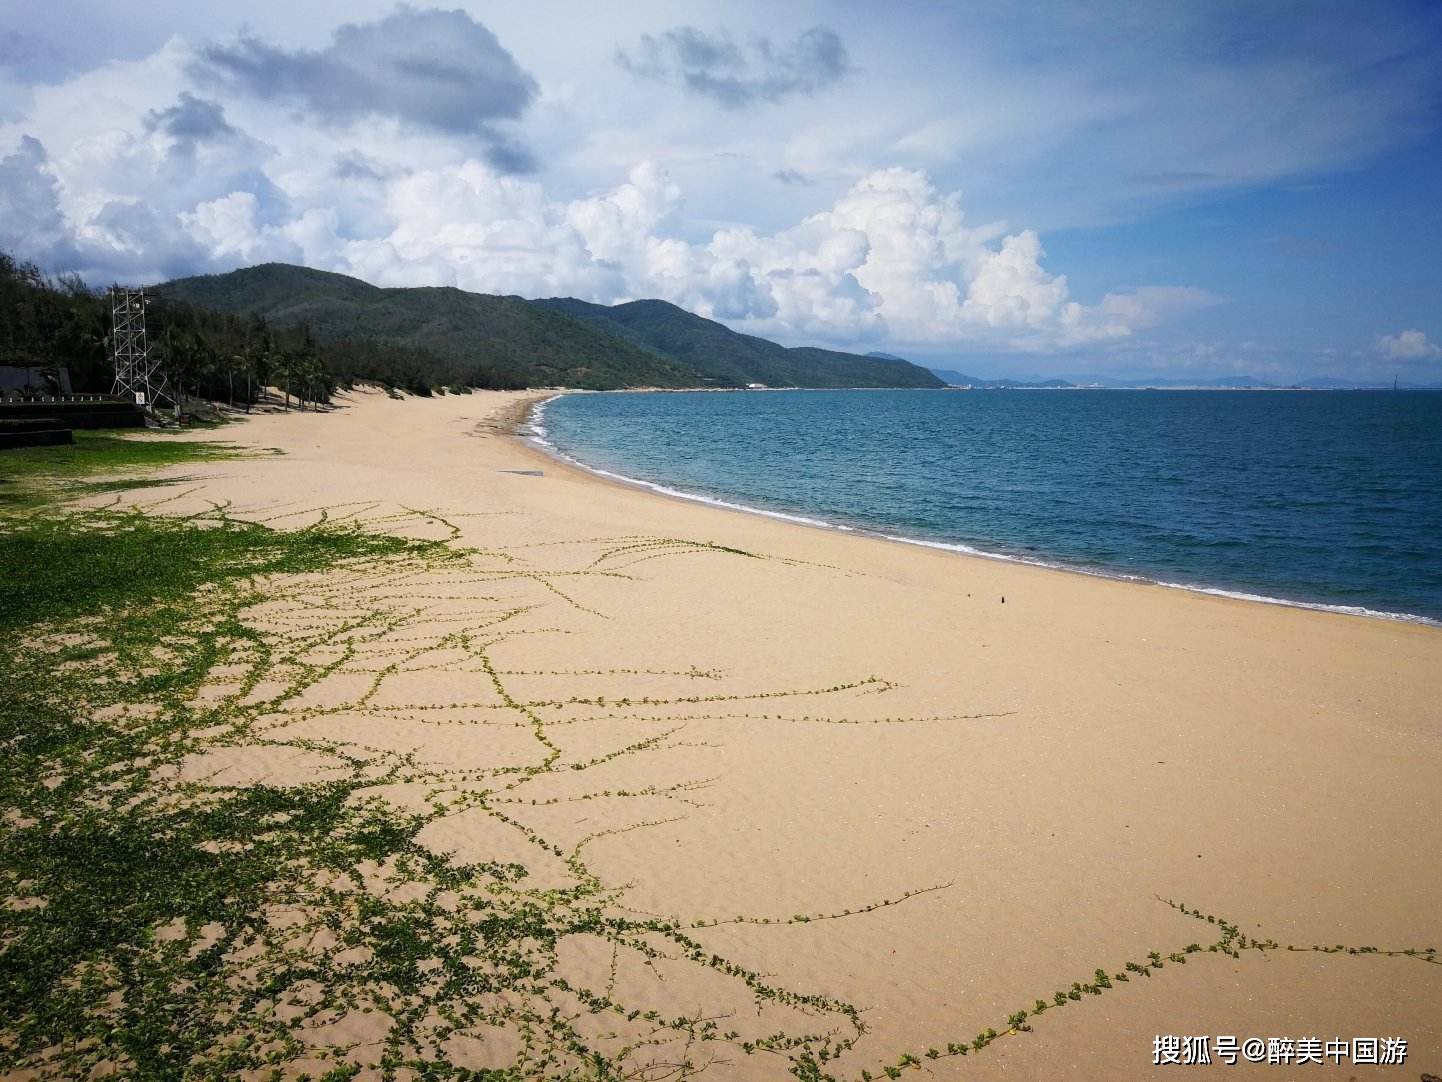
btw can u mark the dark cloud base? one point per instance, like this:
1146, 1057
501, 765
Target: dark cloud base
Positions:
439, 71
714, 66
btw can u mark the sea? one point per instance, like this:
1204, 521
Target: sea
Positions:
1325, 499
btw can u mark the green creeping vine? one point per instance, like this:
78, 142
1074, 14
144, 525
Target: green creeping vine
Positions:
1231, 942
204, 876
169, 916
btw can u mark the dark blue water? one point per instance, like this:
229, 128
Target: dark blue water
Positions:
1331, 498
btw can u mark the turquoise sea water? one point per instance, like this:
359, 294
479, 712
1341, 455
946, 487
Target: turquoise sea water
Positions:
1322, 498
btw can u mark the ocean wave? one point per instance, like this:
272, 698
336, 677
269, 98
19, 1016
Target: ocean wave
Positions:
1189, 587
533, 430
535, 434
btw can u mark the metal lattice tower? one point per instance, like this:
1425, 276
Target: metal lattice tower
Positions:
137, 370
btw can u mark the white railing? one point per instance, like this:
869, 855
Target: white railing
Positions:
45, 399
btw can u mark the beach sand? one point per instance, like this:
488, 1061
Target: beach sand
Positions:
808, 722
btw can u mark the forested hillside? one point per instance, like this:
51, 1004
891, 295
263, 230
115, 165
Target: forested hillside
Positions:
222, 356
308, 332
44, 323
557, 342
725, 357
472, 338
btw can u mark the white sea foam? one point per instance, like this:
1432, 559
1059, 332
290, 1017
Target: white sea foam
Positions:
1122, 576
531, 426
535, 432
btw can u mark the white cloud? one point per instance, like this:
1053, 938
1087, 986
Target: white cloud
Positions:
30, 219
138, 170
714, 66
1408, 346
439, 70
893, 259
1152, 305
231, 230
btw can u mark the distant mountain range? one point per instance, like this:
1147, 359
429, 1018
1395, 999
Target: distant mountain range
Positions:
724, 357
1251, 383
489, 340
1221, 383
961, 379
556, 342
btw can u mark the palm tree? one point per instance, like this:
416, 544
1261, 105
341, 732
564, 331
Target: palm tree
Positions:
265, 358
315, 375
243, 363
282, 367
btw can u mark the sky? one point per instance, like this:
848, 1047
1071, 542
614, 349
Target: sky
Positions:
1171, 190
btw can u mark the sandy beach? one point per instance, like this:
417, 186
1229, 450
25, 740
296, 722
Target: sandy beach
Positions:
893, 795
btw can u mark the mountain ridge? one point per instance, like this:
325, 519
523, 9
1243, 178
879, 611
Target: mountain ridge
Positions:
472, 335
954, 378
485, 339
726, 357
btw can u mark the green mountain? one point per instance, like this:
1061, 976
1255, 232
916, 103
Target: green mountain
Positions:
725, 358
957, 379
961, 379
472, 336
486, 340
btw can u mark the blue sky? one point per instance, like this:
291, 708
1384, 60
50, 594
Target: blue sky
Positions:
1178, 190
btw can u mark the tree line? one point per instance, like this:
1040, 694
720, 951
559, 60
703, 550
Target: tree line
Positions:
52, 322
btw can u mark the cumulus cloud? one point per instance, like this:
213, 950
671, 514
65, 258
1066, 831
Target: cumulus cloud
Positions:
192, 122
892, 260
170, 181
127, 152
232, 228
895, 259
118, 237
29, 58
353, 165
1408, 346
437, 70
714, 66
31, 223
190, 118
476, 228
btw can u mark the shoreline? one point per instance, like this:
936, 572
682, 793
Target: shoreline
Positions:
535, 441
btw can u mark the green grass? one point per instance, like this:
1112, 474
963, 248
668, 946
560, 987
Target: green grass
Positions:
32, 476
85, 975
59, 566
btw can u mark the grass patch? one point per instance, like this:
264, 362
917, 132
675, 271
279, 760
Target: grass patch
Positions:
114, 610
59, 566
32, 476
126, 484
